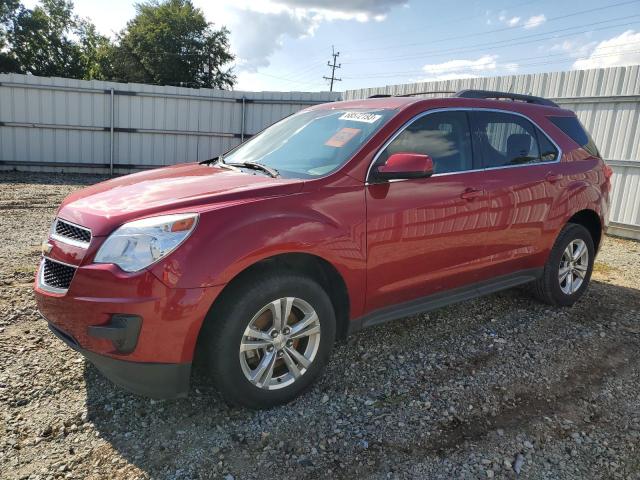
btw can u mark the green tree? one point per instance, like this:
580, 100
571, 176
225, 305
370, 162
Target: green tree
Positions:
8, 13
171, 43
96, 50
50, 40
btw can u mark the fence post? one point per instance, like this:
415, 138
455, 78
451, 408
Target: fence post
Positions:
111, 134
242, 120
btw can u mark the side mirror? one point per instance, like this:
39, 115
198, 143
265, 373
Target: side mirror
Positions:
406, 165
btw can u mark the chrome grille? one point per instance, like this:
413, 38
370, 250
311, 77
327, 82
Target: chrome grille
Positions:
57, 275
66, 231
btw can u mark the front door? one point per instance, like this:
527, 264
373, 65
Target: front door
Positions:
426, 235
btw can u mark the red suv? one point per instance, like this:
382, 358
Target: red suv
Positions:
341, 216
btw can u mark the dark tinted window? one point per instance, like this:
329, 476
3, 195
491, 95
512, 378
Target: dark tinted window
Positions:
503, 139
442, 135
572, 128
548, 151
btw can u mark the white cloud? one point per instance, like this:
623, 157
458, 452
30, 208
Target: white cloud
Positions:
574, 48
260, 28
623, 49
468, 68
535, 21
360, 10
513, 21
255, 36
486, 62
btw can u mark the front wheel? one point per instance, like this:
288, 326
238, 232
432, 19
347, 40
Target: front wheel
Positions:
269, 339
568, 270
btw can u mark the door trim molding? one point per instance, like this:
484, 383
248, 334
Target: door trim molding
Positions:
442, 299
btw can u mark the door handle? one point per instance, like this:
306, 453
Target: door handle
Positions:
553, 177
471, 193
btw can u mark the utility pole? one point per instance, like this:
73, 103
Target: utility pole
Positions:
333, 66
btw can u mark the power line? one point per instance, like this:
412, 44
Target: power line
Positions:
496, 30
285, 79
333, 66
564, 57
422, 28
530, 64
506, 42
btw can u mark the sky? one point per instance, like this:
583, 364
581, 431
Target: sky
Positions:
286, 44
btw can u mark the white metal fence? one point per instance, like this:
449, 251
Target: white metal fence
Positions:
93, 126
607, 101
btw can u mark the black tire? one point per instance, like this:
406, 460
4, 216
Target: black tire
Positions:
225, 325
547, 288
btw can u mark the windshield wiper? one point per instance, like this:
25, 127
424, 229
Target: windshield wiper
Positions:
212, 161
256, 166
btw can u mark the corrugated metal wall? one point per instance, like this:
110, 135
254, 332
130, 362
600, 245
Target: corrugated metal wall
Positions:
607, 101
63, 124
58, 123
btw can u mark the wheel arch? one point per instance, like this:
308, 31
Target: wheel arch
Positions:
314, 266
590, 220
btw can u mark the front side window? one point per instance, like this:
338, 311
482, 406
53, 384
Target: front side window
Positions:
444, 136
311, 143
503, 139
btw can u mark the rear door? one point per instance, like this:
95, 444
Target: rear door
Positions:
522, 179
426, 235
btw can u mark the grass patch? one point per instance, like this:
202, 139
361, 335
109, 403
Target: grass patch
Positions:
603, 268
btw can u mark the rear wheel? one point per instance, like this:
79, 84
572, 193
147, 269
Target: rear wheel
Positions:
269, 339
568, 270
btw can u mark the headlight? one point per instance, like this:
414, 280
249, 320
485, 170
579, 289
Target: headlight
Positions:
138, 244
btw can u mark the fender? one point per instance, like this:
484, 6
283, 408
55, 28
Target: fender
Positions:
579, 194
230, 239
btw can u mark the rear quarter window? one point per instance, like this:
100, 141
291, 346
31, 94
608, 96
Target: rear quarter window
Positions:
572, 127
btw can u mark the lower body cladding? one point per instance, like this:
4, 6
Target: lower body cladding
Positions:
155, 380
135, 330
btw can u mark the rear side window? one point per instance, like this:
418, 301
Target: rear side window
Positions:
442, 135
503, 139
548, 151
572, 127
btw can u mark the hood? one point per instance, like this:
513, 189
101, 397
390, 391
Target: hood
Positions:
106, 205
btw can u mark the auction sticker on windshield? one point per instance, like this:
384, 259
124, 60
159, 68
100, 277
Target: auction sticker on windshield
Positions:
361, 117
342, 136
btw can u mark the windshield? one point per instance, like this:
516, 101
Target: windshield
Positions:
311, 143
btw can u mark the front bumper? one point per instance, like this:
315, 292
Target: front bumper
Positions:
154, 380
136, 330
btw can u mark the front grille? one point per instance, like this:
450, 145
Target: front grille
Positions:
57, 275
73, 232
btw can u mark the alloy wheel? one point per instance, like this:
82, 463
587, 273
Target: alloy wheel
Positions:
573, 266
280, 343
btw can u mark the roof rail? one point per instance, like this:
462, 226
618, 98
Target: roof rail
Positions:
385, 95
511, 96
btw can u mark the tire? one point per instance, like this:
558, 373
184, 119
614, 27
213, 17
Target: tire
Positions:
226, 328
549, 288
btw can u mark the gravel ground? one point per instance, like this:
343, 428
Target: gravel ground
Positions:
499, 387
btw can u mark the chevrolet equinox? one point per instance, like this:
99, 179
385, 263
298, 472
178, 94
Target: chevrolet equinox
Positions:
341, 216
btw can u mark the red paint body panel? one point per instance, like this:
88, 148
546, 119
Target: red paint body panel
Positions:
171, 317
423, 237
390, 242
187, 187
